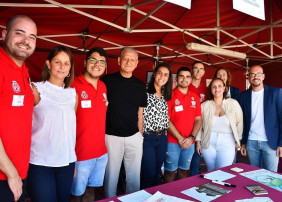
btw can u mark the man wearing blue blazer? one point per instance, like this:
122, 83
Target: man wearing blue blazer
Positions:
262, 111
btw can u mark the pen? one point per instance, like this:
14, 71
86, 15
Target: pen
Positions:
219, 182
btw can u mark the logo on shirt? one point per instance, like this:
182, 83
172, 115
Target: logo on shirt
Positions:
105, 99
202, 97
84, 95
16, 87
193, 104
177, 102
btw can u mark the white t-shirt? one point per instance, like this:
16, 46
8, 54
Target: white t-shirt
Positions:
257, 129
221, 124
53, 126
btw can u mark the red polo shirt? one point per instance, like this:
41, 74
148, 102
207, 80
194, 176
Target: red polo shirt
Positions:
90, 119
201, 91
182, 110
16, 105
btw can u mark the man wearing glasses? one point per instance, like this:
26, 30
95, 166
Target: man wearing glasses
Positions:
90, 147
200, 88
184, 111
124, 124
262, 111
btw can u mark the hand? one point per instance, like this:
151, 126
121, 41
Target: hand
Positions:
243, 150
237, 147
186, 143
16, 186
279, 151
181, 140
199, 147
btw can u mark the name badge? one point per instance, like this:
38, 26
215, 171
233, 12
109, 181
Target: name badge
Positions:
179, 108
18, 100
86, 104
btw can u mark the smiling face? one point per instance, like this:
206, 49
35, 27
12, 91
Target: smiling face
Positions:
222, 74
161, 77
95, 65
256, 76
198, 71
128, 62
20, 39
184, 79
217, 88
59, 67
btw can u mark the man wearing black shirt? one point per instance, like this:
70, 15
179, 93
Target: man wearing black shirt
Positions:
124, 123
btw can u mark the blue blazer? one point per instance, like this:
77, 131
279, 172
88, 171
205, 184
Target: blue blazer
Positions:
272, 114
235, 93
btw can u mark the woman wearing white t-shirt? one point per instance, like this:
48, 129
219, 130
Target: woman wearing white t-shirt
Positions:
222, 127
53, 138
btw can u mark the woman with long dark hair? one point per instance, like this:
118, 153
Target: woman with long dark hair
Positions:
156, 123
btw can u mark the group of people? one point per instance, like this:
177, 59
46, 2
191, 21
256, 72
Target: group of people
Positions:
65, 135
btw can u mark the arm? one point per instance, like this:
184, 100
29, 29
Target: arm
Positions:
7, 167
140, 119
196, 128
174, 132
76, 102
36, 94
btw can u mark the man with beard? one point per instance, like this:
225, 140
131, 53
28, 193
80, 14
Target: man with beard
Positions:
90, 146
16, 105
262, 111
184, 110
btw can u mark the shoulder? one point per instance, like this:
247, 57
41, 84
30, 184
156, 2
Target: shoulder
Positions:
207, 104
232, 102
245, 93
234, 89
107, 77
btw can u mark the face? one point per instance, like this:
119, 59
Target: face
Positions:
256, 76
198, 71
161, 76
95, 65
59, 66
20, 40
222, 74
217, 89
128, 62
184, 79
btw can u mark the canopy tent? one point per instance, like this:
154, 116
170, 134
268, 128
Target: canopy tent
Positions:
157, 29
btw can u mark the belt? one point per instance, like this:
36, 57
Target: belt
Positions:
158, 132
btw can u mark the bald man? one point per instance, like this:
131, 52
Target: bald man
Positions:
262, 110
16, 105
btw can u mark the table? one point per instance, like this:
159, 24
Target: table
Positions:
240, 192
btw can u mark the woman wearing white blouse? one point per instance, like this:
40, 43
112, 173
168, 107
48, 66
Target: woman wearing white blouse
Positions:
222, 127
53, 130
156, 122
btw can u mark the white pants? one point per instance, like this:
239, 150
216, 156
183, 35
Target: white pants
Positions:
221, 151
126, 149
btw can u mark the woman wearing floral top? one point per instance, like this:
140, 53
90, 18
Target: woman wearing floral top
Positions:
156, 123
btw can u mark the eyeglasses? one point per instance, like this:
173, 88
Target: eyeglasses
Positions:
94, 61
259, 74
196, 69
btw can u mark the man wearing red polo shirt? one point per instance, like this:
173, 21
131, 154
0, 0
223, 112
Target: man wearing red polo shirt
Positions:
184, 110
90, 147
200, 88
16, 105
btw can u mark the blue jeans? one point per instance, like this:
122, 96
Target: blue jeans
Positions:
195, 163
259, 151
89, 173
154, 152
45, 184
177, 157
7, 195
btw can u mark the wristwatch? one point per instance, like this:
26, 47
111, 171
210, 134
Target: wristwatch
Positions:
192, 137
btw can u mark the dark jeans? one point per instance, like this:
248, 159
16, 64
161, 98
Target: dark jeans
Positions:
46, 184
6, 195
154, 153
195, 163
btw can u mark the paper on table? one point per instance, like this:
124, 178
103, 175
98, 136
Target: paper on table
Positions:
158, 196
219, 175
138, 196
256, 199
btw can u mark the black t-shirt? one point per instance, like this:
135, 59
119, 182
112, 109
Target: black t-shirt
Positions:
125, 96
